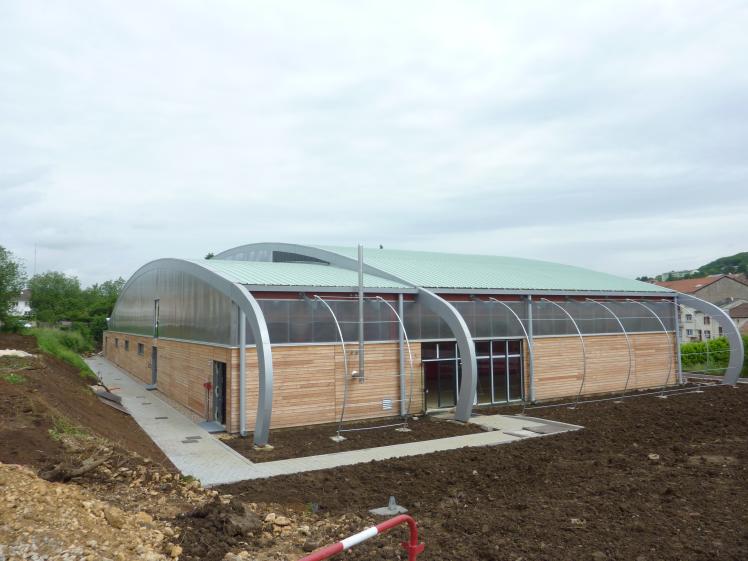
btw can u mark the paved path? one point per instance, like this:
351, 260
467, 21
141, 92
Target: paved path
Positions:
191, 449
196, 452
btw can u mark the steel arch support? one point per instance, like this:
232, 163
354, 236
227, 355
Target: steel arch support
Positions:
529, 346
247, 304
581, 338
450, 315
345, 360
632, 363
667, 334
730, 330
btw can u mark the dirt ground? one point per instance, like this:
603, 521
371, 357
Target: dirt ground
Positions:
51, 395
313, 440
648, 479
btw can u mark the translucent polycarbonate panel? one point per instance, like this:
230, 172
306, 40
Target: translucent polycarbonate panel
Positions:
188, 308
134, 312
593, 317
310, 321
249, 255
488, 319
422, 323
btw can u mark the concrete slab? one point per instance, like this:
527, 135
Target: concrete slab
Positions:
191, 449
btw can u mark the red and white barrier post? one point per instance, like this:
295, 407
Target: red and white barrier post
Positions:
411, 546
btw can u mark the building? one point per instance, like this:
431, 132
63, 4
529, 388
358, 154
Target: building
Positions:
275, 335
721, 290
739, 314
22, 306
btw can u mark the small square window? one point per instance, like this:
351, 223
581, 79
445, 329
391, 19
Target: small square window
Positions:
689, 332
689, 317
707, 320
707, 334
141, 349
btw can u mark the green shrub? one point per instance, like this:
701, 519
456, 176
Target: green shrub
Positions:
65, 345
694, 356
63, 426
14, 378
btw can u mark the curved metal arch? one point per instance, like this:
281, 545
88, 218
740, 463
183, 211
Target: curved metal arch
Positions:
466, 346
345, 360
667, 334
581, 338
435, 303
632, 363
729, 330
247, 304
524, 330
410, 352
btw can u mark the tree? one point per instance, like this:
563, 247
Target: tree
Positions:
56, 296
210, 255
12, 279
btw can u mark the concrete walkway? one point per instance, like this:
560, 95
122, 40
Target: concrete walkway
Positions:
196, 452
191, 449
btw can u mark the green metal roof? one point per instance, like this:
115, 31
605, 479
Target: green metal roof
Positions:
258, 273
460, 271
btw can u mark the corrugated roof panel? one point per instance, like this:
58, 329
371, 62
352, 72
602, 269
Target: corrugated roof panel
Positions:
291, 274
460, 271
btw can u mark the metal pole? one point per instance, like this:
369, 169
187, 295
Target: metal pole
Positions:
360, 314
401, 347
678, 337
242, 373
531, 354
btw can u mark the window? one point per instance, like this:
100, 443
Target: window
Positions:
720, 332
116, 342
141, 349
689, 332
707, 334
689, 317
127, 344
707, 320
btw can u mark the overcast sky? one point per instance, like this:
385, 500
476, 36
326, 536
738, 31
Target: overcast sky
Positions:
607, 135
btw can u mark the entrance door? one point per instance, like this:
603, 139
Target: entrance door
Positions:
154, 365
219, 392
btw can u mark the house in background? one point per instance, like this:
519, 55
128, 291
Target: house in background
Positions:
23, 304
739, 314
726, 291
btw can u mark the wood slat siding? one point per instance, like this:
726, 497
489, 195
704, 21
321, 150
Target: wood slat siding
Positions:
137, 365
559, 364
183, 367
308, 385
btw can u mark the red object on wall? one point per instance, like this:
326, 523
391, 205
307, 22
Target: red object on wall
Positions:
208, 385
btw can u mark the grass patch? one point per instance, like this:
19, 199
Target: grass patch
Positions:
14, 378
65, 345
62, 427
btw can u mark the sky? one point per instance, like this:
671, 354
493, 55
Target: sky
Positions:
608, 135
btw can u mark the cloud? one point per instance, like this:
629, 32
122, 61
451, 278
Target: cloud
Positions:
607, 136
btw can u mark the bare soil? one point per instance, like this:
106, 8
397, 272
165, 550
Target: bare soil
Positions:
310, 441
50, 390
649, 479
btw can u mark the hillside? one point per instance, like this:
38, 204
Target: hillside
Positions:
737, 263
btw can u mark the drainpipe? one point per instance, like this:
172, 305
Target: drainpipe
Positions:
530, 342
360, 314
242, 373
401, 340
